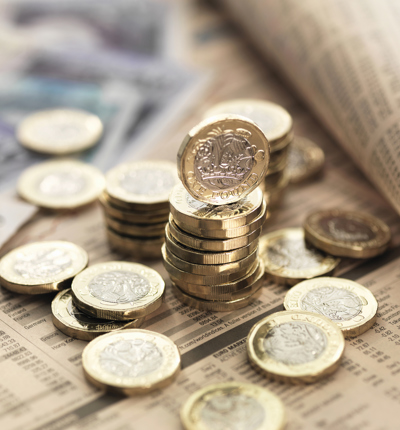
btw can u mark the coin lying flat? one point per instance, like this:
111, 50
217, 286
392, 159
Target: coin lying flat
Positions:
295, 347
42, 267
118, 290
75, 323
288, 260
131, 361
274, 120
223, 159
61, 184
60, 131
184, 208
233, 405
350, 305
347, 234
305, 160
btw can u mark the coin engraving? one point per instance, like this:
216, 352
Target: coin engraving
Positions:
82, 317
119, 286
348, 230
42, 263
149, 182
337, 304
232, 411
294, 343
131, 358
62, 184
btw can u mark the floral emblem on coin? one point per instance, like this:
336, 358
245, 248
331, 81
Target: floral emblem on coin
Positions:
131, 358
119, 286
42, 263
233, 412
62, 184
335, 303
149, 182
294, 343
347, 229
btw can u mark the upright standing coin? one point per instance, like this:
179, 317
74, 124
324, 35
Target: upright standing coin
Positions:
296, 347
233, 405
71, 321
350, 305
118, 290
347, 234
60, 131
42, 267
131, 361
223, 159
61, 184
288, 260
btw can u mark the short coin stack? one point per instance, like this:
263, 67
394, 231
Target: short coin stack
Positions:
135, 203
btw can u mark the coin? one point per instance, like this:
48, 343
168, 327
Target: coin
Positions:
42, 267
347, 234
274, 181
223, 159
118, 290
131, 361
61, 184
305, 160
141, 230
279, 160
274, 120
288, 260
207, 257
350, 305
184, 208
233, 405
59, 131
295, 347
75, 323
141, 185
212, 245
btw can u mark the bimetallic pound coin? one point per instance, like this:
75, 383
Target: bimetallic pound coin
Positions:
184, 208
61, 184
274, 120
288, 260
223, 159
141, 230
60, 131
233, 405
295, 347
118, 290
347, 234
305, 160
131, 361
142, 184
42, 267
75, 323
348, 304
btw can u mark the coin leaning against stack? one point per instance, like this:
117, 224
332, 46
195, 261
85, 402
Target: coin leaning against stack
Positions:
136, 209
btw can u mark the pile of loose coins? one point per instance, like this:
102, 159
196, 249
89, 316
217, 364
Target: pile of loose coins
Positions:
136, 208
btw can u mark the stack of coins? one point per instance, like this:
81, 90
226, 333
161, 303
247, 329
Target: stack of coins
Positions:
277, 125
136, 208
211, 249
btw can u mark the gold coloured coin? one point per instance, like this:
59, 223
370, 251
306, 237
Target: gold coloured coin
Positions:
348, 304
118, 290
60, 131
141, 230
305, 160
212, 245
42, 267
288, 260
131, 361
61, 184
223, 159
184, 208
295, 347
233, 405
142, 184
274, 120
346, 233
75, 323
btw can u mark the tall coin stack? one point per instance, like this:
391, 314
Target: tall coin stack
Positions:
136, 208
211, 248
277, 125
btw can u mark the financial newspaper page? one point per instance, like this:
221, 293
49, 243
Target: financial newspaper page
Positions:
343, 59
